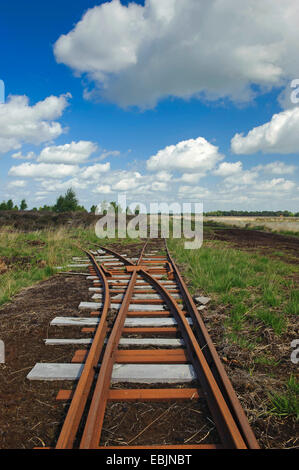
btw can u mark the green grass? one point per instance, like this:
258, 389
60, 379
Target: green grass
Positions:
277, 322
33, 263
267, 361
288, 233
287, 403
253, 288
292, 306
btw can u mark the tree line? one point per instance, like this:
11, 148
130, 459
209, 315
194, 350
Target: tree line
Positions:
251, 214
10, 206
69, 203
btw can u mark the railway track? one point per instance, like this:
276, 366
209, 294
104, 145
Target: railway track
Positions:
149, 339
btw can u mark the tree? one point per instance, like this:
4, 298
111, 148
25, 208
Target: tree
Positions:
93, 208
67, 203
116, 207
46, 208
23, 205
104, 207
9, 205
137, 210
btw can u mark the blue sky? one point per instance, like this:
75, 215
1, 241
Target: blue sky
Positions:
169, 101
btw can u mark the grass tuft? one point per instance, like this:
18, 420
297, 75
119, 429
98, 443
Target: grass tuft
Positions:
287, 403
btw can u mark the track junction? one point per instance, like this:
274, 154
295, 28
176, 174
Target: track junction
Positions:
142, 303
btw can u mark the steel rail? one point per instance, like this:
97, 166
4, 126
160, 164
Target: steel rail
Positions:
214, 361
227, 425
93, 426
74, 415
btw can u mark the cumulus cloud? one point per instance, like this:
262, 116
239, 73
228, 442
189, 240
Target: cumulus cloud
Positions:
191, 178
137, 55
73, 153
74, 183
194, 191
243, 178
93, 172
102, 189
43, 170
109, 153
21, 123
159, 186
128, 182
194, 155
20, 156
280, 135
163, 176
276, 184
227, 169
17, 184
276, 168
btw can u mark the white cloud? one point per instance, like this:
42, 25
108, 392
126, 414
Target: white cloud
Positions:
122, 180
94, 171
247, 177
21, 123
194, 191
164, 176
191, 178
43, 170
109, 153
276, 184
137, 54
102, 189
194, 155
227, 169
159, 186
74, 183
73, 153
280, 135
128, 182
20, 156
17, 184
276, 168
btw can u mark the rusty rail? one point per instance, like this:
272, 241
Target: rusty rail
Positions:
77, 406
214, 361
94, 423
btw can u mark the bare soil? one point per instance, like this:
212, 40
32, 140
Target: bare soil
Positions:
253, 382
30, 416
270, 244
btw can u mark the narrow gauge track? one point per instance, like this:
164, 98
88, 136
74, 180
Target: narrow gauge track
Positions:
146, 293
